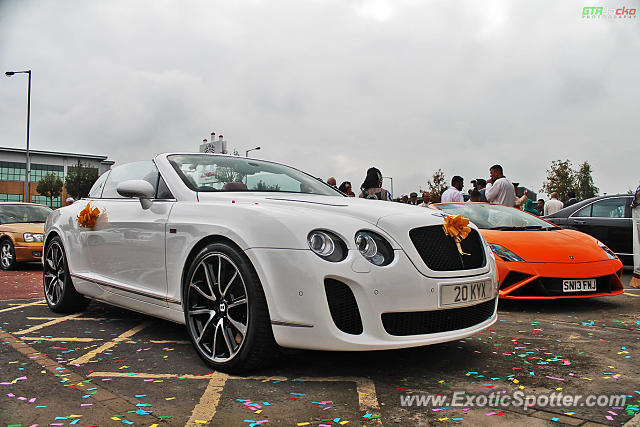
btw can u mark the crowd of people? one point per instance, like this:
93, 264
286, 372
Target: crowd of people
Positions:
497, 189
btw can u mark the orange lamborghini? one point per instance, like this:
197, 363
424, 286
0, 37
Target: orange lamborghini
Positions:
539, 260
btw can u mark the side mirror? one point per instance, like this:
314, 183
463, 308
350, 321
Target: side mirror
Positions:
137, 188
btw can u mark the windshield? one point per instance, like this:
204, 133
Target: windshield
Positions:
10, 214
496, 217
204, 172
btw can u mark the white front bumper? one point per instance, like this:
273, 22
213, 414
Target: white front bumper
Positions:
293, 281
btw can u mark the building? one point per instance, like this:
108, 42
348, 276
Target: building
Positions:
13, 170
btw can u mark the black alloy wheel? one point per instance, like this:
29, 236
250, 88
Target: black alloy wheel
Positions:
226, 311
59, 292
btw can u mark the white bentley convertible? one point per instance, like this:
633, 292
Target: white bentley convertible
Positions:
252, 255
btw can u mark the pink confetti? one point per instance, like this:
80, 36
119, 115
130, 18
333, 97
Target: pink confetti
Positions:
11, 395
554, 378
609, 417
612, 413
33, 399
488, 414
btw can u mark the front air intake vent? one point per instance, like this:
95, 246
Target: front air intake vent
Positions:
343, 307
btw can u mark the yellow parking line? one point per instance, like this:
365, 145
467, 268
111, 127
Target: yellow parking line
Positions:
205, 410
79, 318
61, 339
15, 307
631, 294
148, 375
106, 346
169, 342
49, 323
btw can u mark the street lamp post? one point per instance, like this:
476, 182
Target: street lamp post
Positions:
28, 166
246, 153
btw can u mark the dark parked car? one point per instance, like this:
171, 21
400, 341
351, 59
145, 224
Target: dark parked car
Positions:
607, 218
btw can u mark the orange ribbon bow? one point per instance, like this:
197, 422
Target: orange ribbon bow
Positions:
456, 227
88, 216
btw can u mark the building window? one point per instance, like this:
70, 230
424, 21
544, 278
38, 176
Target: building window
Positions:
11, 197
12, 171
38, 171
43, 200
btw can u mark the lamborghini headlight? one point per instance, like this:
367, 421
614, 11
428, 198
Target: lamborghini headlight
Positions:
607, 251
504, 253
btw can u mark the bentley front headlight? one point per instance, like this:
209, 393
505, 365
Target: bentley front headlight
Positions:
374, 248
327, 245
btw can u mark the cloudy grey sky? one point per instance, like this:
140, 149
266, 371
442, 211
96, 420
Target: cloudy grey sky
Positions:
332, 86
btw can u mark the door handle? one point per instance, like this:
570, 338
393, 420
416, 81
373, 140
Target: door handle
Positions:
579, 222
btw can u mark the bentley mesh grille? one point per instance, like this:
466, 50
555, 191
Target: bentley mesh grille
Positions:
440, 253
434, 321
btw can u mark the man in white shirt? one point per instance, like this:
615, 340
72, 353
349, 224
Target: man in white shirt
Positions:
499, 190
454, 193
553, 205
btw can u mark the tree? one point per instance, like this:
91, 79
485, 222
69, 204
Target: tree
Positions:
560, 179
79, 180
585, 188
50, 186
437, 185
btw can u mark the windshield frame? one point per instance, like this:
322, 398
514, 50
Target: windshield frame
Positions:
25, 206
535, 223
320, 187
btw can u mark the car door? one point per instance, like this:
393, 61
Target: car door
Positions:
127, 251
606, 220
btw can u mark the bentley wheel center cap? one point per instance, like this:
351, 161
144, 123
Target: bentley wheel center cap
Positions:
223, 307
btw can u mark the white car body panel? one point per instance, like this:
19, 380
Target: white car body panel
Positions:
136, 258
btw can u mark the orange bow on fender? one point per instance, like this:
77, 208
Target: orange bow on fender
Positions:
88, 216
456, 227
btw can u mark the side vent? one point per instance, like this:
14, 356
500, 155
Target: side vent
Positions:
343, 307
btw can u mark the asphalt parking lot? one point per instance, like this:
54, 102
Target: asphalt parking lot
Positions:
109, 366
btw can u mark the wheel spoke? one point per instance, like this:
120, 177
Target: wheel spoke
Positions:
227, 341
60, 260
239, 326
237, 303
50, 260
235, 274
201, 311
219, 274
204, 328
210, 278
198, 290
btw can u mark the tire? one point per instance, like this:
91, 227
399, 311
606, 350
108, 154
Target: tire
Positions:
7, 255
59, 292
227, 320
